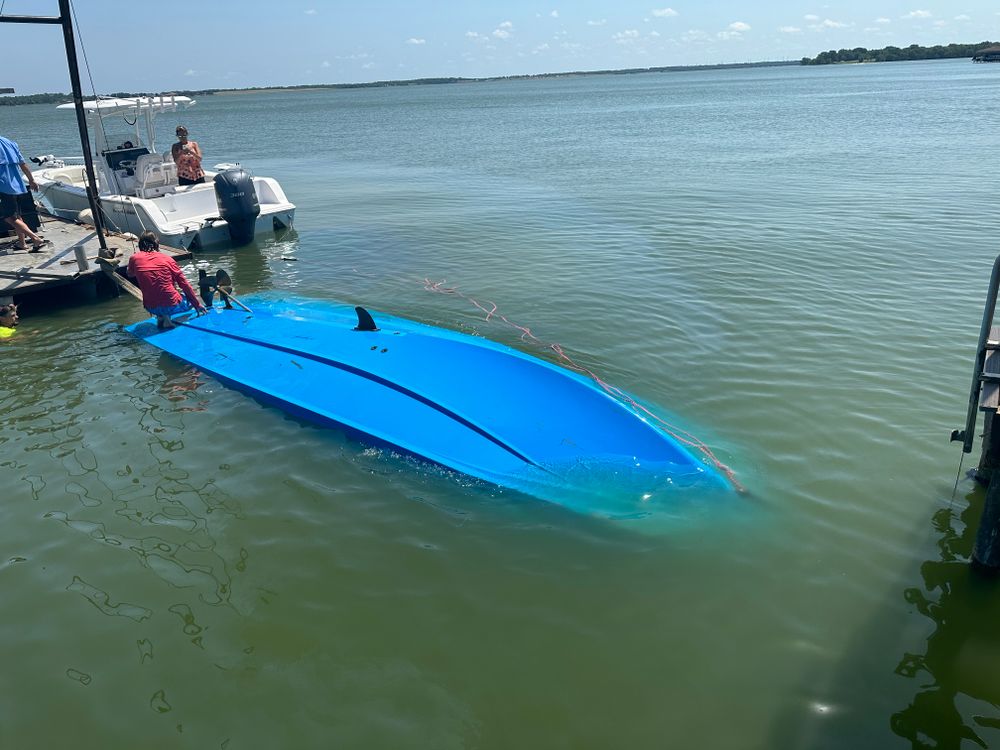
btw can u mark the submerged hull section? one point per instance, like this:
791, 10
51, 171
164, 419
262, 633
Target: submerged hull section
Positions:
460, 401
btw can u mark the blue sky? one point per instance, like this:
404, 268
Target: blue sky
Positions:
138, 45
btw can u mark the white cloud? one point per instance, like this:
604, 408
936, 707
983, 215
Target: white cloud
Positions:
918, 14
962, 17
540, 48
664, 12
190, 72
738, 26
414, 40
326, 64
694, 35
368, 66
554, 14
474, 35
624, 37
828, 24
654, 34
597, 23
311, 12
789, 29
504, 30
882, 20
810, 17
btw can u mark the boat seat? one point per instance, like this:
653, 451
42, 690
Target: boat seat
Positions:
155, 175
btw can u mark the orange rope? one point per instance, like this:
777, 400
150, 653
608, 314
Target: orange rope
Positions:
681, 436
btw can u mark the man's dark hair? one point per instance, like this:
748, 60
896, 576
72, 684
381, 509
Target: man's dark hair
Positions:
148, 241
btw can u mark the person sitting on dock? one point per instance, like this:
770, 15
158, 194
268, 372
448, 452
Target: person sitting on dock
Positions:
12, 185
159, 276
8, 320
187, 157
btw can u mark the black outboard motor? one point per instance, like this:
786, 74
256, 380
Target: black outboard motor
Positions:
238, 204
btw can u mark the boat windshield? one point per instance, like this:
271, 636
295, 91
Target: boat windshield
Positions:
124, 157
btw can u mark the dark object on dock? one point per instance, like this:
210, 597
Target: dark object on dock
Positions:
984, 395
238, 204
987, 54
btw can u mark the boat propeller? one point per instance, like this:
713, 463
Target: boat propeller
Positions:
207, 287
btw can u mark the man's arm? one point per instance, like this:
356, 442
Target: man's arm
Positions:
181, 280
29, 176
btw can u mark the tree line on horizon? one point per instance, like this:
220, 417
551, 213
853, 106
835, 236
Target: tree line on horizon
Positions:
56, 98
858, 54
895, 54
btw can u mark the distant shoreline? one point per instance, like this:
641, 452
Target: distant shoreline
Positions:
50, 98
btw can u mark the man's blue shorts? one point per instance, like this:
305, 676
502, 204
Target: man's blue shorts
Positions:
170, 310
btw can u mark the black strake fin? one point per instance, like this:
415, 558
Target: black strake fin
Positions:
365, 320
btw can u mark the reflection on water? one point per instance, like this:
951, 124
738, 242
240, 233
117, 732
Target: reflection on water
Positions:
958, 690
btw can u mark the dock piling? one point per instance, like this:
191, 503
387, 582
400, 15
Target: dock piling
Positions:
986, 554
81, 258
984, 396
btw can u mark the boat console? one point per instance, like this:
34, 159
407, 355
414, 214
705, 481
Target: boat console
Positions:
124, 158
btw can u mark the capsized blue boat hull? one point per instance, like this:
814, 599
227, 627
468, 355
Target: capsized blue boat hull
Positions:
460, 401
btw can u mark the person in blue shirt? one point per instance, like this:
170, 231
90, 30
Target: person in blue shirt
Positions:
13, 170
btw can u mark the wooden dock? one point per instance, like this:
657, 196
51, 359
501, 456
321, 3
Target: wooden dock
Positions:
71, 260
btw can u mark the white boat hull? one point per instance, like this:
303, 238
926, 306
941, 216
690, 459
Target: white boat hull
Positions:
186, 217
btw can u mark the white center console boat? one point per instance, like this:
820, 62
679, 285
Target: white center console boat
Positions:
139, 190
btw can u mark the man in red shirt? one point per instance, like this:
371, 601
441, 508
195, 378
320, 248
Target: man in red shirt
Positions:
159, 276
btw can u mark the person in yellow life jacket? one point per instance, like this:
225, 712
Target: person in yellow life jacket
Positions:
8, 321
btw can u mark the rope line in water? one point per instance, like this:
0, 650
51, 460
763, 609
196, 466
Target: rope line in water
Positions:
681, 436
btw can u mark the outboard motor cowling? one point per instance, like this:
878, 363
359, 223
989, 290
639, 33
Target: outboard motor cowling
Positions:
238, 204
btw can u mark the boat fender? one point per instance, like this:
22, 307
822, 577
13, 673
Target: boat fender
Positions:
238, 204
365, 320
86, 216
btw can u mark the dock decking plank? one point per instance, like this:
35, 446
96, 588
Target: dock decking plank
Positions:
22, 273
